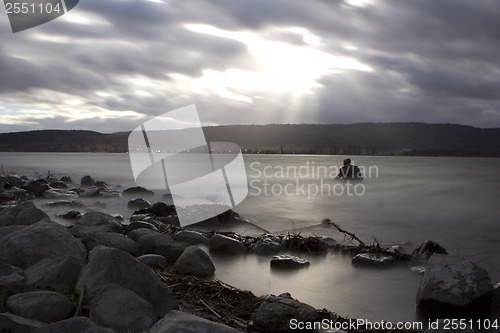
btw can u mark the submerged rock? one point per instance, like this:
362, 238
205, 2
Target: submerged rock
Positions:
181, 322
372, 259
453, 288
288, 262
224, 244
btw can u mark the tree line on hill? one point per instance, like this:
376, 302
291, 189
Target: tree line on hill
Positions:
415, 139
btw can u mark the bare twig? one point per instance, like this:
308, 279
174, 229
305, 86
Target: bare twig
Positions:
210, 308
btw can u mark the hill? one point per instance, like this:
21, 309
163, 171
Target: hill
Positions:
351, 139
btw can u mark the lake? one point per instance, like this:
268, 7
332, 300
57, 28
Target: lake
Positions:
402, 200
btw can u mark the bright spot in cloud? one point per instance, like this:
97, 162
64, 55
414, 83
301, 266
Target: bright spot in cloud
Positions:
360, 3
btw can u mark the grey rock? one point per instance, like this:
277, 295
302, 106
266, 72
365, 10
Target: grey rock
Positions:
161, 209
74, 325
90, 192
161, 244
453, 287
373, 259
136, 234
194, 261
60, 194
138, 203
22, 214
141, 224
58, 184
121, 309
44, 306
181, 322
153, 260
10, 229
44, 239
103, 186
11, 278
288, 262
328, 241
267, 245
13, 193
191, 237
110, 239
108, 265
70, 215
66, 179
137, 192
36, 186
275, 313
224, 244
87, 181
15, 324
96, 222
171, 219
58, 274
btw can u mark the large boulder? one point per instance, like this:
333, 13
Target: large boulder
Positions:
36, 186
181, 322
138, 203
58, 274
42, 240
107, 265
136, 234
191, 237
10, 229
110, 239
276, 312
73, 325
224, 244
95, 222
44, 306
194, 261
453, 288
22, 214
11, 278
16, 324
153, 261
121, 309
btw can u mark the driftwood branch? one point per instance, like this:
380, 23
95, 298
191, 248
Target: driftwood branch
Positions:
345, 232
210, 308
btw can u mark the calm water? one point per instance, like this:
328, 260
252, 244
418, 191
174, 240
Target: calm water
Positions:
405, 200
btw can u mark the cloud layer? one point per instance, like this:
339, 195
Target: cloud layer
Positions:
107, 65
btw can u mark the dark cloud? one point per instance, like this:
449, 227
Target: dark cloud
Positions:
432, 61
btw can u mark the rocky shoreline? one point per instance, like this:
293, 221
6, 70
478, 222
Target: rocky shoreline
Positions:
144, 273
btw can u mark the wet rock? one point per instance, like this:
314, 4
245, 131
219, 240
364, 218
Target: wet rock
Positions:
428, 248
87, 181
418, 269
15, 180
36, 187
22, 214
288, 262
15, 324
181, 322
268, 245
110, 239
58, 184
74, 325
58, 274
96, 222
328, 241
11, 278
138, 203
70, 215
137, 192
61, 194
13, 193
44, 239
121, 309
141, 225
153, 261
173, 220
372, 259
43, 306
136, 217
102, 186
194, 261
275, 313
108, 265
224, 244
453, 288
66, 179
136, 234
190, 237
90, 192
162, 209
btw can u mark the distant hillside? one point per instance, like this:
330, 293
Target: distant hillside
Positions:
354, 139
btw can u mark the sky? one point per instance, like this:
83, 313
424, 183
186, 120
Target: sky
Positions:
109, 65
